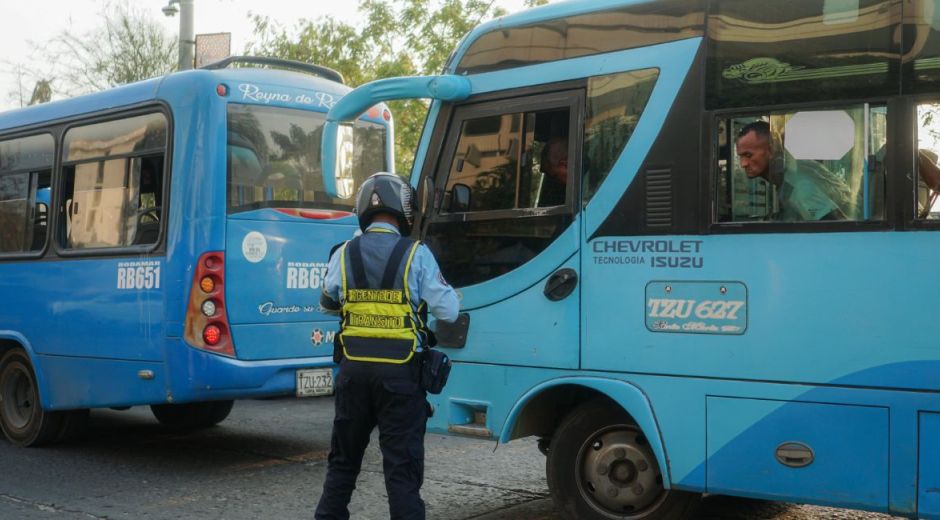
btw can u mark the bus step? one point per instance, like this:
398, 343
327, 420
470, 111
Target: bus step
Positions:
473, 430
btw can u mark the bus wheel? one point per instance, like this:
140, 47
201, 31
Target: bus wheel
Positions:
600, 466
192, 415
22, 418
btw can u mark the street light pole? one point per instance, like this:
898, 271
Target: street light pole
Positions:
187, 38
187, 35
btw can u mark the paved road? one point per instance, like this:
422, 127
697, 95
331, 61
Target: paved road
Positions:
268, 460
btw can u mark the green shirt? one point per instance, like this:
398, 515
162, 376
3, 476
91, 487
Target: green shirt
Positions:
810, 192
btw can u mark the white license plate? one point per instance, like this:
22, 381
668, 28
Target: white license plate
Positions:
314, 381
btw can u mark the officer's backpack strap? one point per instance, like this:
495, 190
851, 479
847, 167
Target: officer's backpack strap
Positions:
359, 269
394, 262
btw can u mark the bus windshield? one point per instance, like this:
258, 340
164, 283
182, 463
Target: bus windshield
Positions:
274, 158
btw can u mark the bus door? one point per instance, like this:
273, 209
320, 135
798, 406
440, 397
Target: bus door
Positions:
505, 231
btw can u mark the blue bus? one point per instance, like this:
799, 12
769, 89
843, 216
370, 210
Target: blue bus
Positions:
163, 243
665, 318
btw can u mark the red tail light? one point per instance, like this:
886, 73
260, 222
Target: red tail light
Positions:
209, 330
212, 335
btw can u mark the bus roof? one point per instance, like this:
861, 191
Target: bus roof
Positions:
534, 16
150, 90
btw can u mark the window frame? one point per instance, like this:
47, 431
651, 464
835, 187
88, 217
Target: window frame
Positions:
27, 255
908, 127
59, 181
892, 177
571, 97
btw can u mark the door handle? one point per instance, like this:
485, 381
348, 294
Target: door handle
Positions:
794, 454
560, 284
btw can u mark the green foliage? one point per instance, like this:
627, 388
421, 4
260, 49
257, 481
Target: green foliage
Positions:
398, 38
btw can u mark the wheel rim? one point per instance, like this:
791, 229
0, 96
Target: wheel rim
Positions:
618, 474
18, 396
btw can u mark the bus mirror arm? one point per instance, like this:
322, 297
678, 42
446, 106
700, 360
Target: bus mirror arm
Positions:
353, 104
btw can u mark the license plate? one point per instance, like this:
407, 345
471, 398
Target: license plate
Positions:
315, 381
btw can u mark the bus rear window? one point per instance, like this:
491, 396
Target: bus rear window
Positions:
274, 158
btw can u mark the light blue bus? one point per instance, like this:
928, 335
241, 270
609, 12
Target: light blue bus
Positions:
163, 243
665, 321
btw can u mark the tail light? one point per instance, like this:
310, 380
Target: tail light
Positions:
206, 320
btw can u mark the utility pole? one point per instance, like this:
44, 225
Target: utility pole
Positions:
187, 41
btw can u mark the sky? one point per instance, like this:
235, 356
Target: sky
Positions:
37, 21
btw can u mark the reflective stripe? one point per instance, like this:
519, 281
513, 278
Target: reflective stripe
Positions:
411, 256
342, 265
375, 296
373, 321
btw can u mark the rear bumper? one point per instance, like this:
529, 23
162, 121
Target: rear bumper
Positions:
195, 375
188, 374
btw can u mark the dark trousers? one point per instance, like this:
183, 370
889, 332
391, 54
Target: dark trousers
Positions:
387, 396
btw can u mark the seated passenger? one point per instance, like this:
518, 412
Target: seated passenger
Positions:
554, 166
806, 190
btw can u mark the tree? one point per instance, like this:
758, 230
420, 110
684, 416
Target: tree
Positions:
398, 38
129, 46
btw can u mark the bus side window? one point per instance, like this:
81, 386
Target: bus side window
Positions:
25, 173
113, 182
508, 191
928, 170
803, 166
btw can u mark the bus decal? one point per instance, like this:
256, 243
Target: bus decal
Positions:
138, 275
254, 93
318, 337
696, 307
272, 308
254, 247
305, 275
677, 254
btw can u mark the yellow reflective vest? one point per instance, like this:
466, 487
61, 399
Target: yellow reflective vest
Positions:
378, 324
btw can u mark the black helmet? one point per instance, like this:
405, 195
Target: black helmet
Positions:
386, 193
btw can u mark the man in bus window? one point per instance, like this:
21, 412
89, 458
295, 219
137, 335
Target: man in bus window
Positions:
383, 285
806, 190
554, 166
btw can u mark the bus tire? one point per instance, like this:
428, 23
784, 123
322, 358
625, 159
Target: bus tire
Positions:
22, 418
600, 467
191, 416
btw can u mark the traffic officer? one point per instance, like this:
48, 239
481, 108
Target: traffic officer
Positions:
382, 284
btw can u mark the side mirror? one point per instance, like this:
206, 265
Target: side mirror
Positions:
338, 154
459, 198
354, 103
425, 196
345, 155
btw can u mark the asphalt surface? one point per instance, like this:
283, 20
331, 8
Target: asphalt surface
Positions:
268, 460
